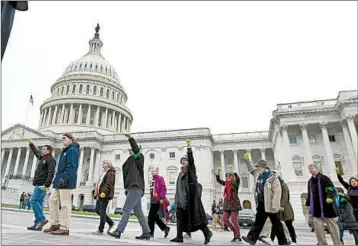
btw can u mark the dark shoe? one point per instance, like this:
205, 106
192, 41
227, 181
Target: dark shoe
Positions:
33, 226
41, 225
144, 236
249, 241
208, 238
236, 239
177, 240
115, 234
166, 232
61, 232
151, 234
51, 229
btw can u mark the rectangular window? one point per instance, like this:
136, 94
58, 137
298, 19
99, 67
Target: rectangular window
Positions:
312, 139
293, 139
332, 138
298, 168
245, 182
171, 155
340, 166
118, 157
172, 177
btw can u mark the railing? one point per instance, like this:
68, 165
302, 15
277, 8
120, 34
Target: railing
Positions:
306, 105
262, 135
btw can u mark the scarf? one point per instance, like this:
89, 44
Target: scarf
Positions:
99, 182
311, 212
227, 191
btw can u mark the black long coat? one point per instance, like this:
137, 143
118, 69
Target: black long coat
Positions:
194, 217
346, 219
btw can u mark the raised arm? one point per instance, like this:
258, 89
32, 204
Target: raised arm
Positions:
36, 152
253, 171
236, 176
340, 179
135, 148
220, 181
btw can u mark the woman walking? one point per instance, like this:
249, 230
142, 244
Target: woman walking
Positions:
231, 201
191, 215
103, 193
158, 201
346, 220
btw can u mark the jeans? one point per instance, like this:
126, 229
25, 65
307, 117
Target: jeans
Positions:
36, 201
234, 223
21, 205
133, 202
101, 207
355, 235
153, 218
261, 217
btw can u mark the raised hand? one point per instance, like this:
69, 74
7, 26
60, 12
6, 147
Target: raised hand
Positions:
188, 142
231, 168
29, 140
127, 134
247, 156
338, 171
219, 170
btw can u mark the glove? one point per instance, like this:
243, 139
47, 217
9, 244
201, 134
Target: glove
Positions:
127, 134
247, 156
43, 188
338, 171
188, 142
231, 168
329, 200
219, 170
102, 195
161, 201
307, 207
29, 140
281, 209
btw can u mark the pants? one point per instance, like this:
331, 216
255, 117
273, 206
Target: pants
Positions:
288, 229
234, 223
218, 219
355, 235
261, 217
133, 202
36, 201
63, 218
268, 232
332, 227
153, 218
101, 207
180, 215
21, 205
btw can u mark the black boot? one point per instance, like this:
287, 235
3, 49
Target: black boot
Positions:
207, 234
144, 236
177, 240
166, 232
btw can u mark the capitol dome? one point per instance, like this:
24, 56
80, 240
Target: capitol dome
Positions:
88, 96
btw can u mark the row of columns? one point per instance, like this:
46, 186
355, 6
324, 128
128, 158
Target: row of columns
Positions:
350, 137
66, 115
94, 167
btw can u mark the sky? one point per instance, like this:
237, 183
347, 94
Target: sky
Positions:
222, 65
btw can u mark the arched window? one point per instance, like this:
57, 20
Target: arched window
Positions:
101, 92
117, 97
338, 161
172, 173
62, 90
94, 90
318, 162
68, 89
112, 95
297, 164
87, 89
107, 94
81, 88
73, 89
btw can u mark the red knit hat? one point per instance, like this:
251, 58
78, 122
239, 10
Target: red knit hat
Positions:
70, 136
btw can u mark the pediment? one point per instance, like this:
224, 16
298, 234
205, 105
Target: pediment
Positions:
19, 132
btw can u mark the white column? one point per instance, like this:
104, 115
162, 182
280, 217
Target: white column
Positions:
236, 162
54, 116
88, 119
71, 117
329, 153
106, 118
2, 155
33, 168
17, 162
41, 118
90, 173
353, 132
288, 166
62, 115
263, 154
65, 119
26, 161
119, 122
80, 113
48, 121
351, 156
96, 119
98, 165
8, 162
129, 126
308, 154
113, 120
222, 159
79, 171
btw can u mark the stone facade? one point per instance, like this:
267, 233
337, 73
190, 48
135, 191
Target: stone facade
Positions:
89, 101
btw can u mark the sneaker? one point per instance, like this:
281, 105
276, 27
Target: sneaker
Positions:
34, 226
41, 225
98, 232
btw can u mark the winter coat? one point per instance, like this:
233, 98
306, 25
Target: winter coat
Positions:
319, 189
106, 186
194, 215
45, 168
287, 213
234, 203
66, 175
351, 191
346, 219
133, 168
160, 188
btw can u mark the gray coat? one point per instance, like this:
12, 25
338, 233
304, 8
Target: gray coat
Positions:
346, 219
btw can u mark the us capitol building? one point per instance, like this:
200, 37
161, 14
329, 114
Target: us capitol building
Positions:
89, 101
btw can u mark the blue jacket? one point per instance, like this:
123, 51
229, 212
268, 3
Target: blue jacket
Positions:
66, 175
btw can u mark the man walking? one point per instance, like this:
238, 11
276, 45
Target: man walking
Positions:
63, 185
42, 180
133, 179
22, 200
268, 200
322, 206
